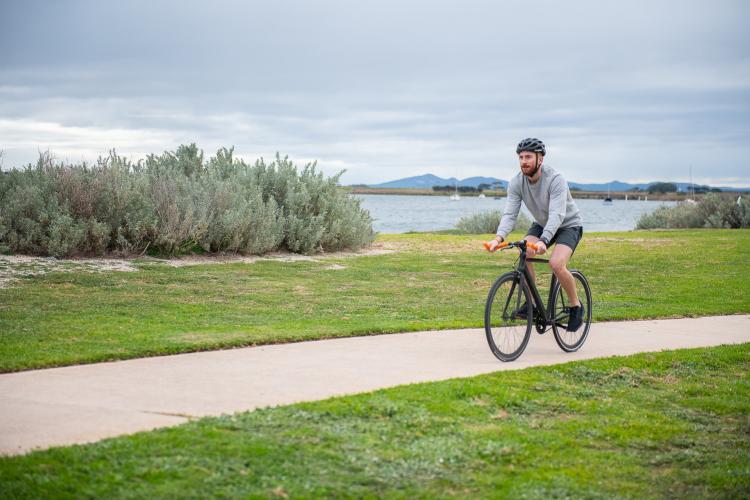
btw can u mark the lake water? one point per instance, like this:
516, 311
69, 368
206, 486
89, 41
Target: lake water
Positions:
401, 214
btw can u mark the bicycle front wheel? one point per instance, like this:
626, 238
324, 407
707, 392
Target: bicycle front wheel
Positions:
571, 341
508, 317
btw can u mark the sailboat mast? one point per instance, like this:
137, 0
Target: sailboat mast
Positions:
692, 187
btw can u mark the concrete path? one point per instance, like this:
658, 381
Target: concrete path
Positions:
80, 404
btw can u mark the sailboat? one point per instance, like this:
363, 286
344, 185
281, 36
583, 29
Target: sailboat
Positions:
691, 200
608, 199
455, 196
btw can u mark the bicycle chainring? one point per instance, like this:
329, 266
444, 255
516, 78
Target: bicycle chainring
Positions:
541, 326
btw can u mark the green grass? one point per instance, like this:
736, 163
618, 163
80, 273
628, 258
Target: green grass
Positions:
671, 424
432, 282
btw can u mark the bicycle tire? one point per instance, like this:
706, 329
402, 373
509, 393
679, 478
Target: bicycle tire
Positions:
571, 341
507, 334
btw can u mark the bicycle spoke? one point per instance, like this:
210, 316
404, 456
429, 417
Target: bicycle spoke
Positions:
507, 316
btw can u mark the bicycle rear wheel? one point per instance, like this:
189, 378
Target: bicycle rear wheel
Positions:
507, 331
571, 341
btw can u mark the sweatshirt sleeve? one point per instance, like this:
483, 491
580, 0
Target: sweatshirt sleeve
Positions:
510, 211
557, 204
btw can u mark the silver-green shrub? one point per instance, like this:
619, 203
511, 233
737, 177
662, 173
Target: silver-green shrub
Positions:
712, 211
318, 215
486, 222
33, 219
174, 203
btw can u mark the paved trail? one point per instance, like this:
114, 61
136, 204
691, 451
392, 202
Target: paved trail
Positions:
80, 404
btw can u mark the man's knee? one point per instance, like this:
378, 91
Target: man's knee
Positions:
560, 258
558, 263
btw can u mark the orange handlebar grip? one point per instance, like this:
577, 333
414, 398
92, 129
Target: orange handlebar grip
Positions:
501, 245
531, 245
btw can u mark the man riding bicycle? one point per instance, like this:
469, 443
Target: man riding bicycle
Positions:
556, 219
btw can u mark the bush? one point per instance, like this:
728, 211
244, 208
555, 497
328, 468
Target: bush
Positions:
174, 203
662, 187
712, 210
487, 222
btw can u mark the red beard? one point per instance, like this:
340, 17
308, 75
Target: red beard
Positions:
533, 172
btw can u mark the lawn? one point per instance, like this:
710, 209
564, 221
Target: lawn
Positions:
670, 424
428, 281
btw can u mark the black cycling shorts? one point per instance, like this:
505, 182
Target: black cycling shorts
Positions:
568, 236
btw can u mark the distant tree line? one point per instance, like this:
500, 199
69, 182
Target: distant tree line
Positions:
467, 189
461, 189
671, 187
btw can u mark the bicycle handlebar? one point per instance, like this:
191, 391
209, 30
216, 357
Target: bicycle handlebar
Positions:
507, 244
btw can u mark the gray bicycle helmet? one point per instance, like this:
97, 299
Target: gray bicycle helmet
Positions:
532, 145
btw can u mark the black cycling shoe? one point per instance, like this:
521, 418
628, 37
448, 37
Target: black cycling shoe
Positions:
576, 318
520, 313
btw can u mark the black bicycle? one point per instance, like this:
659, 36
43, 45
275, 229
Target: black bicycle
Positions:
510, 313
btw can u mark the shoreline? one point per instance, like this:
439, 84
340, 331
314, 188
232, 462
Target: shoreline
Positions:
584, 195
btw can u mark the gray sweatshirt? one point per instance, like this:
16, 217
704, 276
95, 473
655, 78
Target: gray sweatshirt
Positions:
548, 200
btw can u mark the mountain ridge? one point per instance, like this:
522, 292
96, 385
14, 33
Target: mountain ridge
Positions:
427, 181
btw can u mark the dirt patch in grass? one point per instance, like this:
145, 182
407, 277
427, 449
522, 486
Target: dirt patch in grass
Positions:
16, 267
650, 241
378, 248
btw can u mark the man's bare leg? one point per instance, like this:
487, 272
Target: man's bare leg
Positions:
531, 253
559, 264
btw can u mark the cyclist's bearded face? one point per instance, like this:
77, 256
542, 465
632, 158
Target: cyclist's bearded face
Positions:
530, 163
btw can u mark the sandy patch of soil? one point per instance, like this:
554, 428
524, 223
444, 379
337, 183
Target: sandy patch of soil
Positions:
379, 248
638, 241
15, 267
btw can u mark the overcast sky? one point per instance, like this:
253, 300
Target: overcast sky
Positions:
635, 91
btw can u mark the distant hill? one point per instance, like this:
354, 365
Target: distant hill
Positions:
613, 186
617, 186
427, 181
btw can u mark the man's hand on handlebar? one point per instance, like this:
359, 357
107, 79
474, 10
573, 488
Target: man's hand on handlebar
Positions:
535, 248
492, 244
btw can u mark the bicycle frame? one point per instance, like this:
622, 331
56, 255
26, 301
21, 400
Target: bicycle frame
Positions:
531, 284
544, 319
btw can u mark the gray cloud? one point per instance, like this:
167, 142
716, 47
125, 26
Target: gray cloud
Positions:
634, 91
